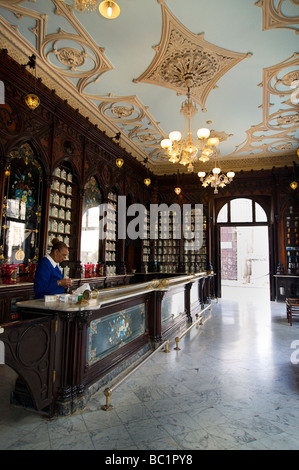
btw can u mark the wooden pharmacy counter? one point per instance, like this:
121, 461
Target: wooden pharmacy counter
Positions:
64, 351
11, 293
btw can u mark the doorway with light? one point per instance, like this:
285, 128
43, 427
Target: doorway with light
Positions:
243, 235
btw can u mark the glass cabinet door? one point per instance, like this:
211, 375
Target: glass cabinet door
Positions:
90, 236
21, 218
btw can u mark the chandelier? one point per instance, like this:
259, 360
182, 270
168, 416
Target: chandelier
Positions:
215, 178
85, 5
188, 151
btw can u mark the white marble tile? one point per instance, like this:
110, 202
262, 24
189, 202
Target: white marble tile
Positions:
133, 412
115, 438
232, 386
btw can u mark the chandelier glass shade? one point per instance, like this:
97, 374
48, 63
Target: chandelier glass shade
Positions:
187, 151
215, 178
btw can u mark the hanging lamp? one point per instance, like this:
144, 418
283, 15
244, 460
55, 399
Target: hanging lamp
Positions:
109, 9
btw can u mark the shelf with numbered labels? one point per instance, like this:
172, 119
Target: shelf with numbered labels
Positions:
166, 253
110, 241
195, 250
62, 209
292, 240
146, 244
176, 250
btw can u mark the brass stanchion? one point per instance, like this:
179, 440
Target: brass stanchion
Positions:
107, 393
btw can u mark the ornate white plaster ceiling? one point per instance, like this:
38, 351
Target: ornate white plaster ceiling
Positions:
127, 74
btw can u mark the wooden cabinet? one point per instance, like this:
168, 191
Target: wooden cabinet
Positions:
63, 215
195, 252
181, 245
111, 236
292, 241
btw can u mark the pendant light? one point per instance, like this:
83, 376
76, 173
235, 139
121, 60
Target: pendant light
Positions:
109, 9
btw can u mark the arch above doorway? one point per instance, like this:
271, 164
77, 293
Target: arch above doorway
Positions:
242, 210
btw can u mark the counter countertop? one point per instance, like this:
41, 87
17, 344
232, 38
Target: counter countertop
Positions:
105, 296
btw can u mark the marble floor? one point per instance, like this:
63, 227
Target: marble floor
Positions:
233, 385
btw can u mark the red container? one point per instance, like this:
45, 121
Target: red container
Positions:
32, 269
89, 270
100, 269
4, 273
11, 273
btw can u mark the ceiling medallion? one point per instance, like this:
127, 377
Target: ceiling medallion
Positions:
180, 52
85, 5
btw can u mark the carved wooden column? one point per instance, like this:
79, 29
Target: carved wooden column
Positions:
154, 315
187, 301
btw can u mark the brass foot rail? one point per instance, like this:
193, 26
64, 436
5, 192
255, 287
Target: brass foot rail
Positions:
199, 320
108, 391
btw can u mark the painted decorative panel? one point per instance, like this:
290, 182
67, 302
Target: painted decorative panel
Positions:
107, 334
172, 306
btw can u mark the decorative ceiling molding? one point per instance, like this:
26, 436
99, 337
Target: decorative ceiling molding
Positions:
70, 67
279, 127
182, 53
237, 164
273, 17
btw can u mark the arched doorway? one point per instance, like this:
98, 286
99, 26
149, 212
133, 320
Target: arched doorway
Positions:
243, 246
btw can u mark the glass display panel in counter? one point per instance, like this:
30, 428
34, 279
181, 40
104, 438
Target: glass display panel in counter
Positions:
109, 333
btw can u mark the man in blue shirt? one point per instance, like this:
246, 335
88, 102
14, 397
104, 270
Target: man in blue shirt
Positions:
48, 276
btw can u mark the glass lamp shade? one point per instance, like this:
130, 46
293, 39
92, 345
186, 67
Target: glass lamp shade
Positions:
166, 143
216, 171
213, 141
207, 152
175, 136
173, 158
230, 174
119, 162
32, 101
294, 185
177, 190
109, 9
203, 133
147, 181
201, 174
204, 158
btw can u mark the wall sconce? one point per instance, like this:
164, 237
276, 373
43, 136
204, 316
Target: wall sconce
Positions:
32, 100
294, 185
147, 181
177, 190
119, 162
